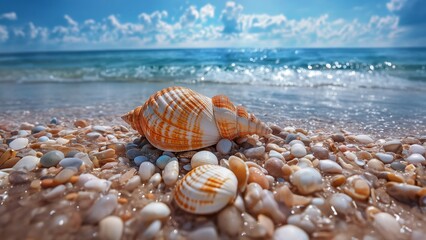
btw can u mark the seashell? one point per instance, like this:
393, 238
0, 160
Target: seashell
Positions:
180, 119
206, 189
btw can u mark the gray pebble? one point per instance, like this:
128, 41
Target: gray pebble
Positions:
71, 153
37, 129
385, 158
290, 137
140, 159
132, 153
398, 166
394, 146
51, 158
71, 162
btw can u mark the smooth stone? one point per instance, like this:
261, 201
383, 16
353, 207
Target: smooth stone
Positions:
376, 165
55, 192
85, 177
256, 152
341, 202
64, 175
230, 221
171, 173
307, 180
101, 129
86, 159
296, 142
93, 135
387, 226
290, 232
131, 146
224, 146
98, 185
162, 161
43, 139
394, 146
18, 177
298, 150
257, 176
151, 230
329, 166
204, 233
273, 166
275, 154
133, 153
27, 163
71, 162
23, 133
415, 158
37, 129
320, 152
290, 137
155, 180
140, 159
133, 183
71, 153
146, 170
103, 207
155, 211
202, 158
385, 158
19, 143
51, 158
364, 139
416, 148
54, 120
338, 138
111, 228
399, 166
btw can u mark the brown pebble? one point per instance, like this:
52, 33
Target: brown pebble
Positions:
18, 177
376, 165
48, 183
74, 179
338, 180
81, 123
320, 152
71, 196
35, 184
287, 171
257, 176
122, 200
273, 166
364, 155
338, 138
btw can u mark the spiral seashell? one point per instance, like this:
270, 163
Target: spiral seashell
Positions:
180, 119
206, 189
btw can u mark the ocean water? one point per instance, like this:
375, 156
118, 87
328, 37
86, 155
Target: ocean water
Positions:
381, 90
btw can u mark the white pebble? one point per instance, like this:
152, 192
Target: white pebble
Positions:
155, 179
155, 211
98, 185
387, 225
329, 166
385, 158
290, 232
341, 203
146, 170
18, 143
171, 173
256, 152
224, 146
416, 148
55, 192
415, 158
364, 139
27, 163
151, 230
111, 228
307, 180
202, 158
298, 150
276, 154
204, 233
85, 177
133, 183
104, 206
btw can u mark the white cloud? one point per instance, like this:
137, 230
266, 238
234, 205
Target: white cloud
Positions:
189, 16
18, 32
395, 5
36, 32
207, 11
230, 17
89, 22
9, 16
70, 21
4, 35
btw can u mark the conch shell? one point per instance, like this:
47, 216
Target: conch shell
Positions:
180, 119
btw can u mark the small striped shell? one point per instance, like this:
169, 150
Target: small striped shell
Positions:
179, 119
206, 189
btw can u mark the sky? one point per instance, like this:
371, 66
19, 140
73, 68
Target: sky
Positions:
58, 25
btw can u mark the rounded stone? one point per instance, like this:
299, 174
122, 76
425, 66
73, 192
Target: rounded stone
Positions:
394, 146
155, 211
384, 157
38, 129
416, 148
329, 166
257, 176
273, 166
162, 161
146, 170
51, 158
139, 160
133, 152
290, 232
54, 120
171, 172
320, 152
341, 202
103, 207
71, 162
256, 152
71, 153
290, 137
27, 163
202, 158
18, 143
397, 165
338, 138
415, 158
364, 139
224, 146
307, 180
376, 165
43, 139
111, 228
298, 150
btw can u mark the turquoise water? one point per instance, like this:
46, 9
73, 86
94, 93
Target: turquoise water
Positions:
374, 89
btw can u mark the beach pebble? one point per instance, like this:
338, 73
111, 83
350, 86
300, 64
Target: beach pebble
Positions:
397, 165
98, 185
416, 148
146, 170
111, 228
364, 139
55, 192
37, 129
171, 173
307, 180
338, 137
273, 166
384, 157
376, 165
155, 211
71, 153
275, 154
320, 152
19, 143
151, 230
162, 161
139, 160
51, 158
18, 177
224, 146
202, 158
230, 221
54, 120
133, 183
103, 207
290, 137
415, 158
133, 153
257, 176
155, 180
241, 171
394, 146
341, 202
64, 175
290, 232
205, 233
298, 150
27, 163
256, 152
329, 166
71, 162
387, 226
43, 139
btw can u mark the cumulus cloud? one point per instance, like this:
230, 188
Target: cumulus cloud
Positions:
70, 21
189, 16
36, 32
4, 35
207, 11
395, 5
231, 17
9, 16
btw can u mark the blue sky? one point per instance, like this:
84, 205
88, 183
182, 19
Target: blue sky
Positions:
134, 24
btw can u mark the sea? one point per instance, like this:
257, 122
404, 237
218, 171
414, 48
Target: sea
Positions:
381, 91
